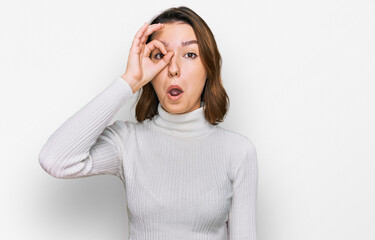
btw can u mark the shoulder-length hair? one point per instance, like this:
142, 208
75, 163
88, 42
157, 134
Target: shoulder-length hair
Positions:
214, 97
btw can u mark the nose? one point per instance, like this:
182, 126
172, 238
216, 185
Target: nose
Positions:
173, 68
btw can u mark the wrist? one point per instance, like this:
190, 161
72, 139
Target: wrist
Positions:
134, 84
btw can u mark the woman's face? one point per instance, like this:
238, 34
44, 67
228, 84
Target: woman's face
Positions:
185, 68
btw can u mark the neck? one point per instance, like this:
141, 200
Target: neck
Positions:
186, 125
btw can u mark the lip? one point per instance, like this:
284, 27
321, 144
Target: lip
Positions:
174, 86
175, 98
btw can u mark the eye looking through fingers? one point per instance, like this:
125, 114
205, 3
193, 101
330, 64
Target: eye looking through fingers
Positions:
152, 46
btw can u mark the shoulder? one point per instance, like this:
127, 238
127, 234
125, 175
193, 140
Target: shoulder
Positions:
126, 128
240, 141
122, 128
241, 147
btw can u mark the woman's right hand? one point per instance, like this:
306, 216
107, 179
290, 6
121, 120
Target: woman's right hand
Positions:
140, 68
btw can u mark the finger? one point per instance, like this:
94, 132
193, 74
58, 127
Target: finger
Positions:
137, 38
166, 59
153, 45
152, 28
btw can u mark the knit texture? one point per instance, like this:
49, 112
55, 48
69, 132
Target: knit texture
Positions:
185, 179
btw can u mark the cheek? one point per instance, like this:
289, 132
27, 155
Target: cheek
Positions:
196, 85
199, 70
157, 83
194, 70
199, 77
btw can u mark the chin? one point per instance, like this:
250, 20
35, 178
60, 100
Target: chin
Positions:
175, 108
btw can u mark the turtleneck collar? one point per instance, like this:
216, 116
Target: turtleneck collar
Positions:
186, 125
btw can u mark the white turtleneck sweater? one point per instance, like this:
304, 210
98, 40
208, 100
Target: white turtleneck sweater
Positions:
185, 179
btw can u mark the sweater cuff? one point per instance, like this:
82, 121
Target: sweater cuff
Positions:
123, 84
120, 87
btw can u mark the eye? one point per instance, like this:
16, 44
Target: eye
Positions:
192, 53
155, 56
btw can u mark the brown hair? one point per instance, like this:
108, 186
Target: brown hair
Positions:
214, 96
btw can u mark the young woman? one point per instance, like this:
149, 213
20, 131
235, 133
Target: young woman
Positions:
185, 176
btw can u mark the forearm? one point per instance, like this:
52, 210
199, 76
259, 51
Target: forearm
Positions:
66, 149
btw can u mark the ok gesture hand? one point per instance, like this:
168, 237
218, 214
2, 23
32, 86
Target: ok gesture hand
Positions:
140, 68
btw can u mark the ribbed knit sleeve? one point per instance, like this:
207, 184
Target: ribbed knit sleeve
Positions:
242, 215
84, 144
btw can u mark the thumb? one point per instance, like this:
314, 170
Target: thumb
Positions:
166, 58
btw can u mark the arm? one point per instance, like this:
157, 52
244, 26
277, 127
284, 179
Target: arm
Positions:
242, 215
84, 145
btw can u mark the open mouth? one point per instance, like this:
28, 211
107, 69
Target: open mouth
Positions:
175, 92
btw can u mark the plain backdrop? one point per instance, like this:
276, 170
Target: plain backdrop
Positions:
300, 77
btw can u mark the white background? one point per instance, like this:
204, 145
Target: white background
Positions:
300, 77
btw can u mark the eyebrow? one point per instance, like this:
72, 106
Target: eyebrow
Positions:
182, 43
